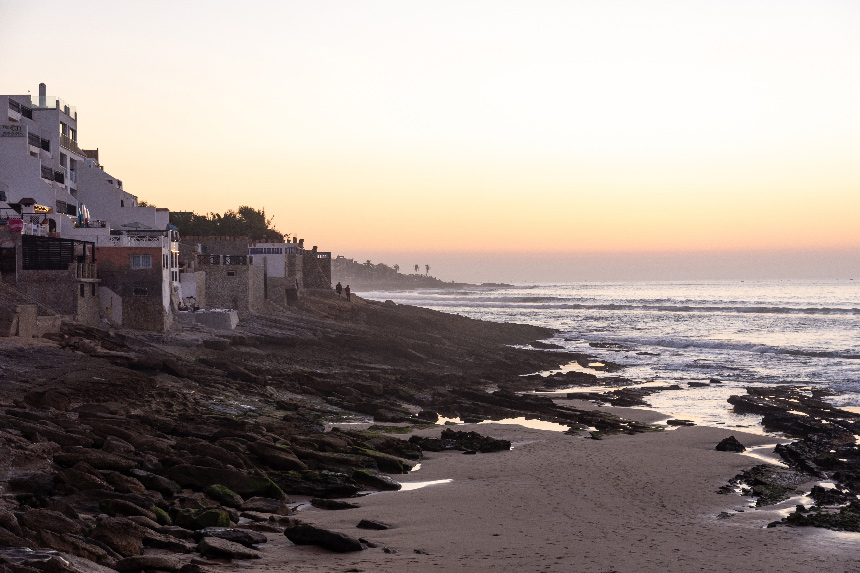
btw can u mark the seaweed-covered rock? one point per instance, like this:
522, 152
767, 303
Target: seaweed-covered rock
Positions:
846, 519
240, 482
465, 441
224, 495
830, 496
201, 518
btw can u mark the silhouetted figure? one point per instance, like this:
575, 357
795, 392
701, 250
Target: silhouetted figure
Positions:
338, 289
346, 291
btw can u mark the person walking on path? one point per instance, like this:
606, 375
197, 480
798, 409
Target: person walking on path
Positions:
338, 289
346, 291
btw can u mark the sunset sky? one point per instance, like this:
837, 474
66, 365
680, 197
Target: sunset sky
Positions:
481, 138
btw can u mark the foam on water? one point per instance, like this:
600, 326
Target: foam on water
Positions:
741, 333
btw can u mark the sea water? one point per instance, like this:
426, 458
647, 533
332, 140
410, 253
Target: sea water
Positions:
742, 333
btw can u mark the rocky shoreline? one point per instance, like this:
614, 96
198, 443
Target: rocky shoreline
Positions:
182, 451
172, 452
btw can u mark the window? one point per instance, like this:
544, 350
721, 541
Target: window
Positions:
93, 289
121, 203
140, 291
82, 290
141, 261
231, 273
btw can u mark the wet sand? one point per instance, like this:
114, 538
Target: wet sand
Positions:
556, 502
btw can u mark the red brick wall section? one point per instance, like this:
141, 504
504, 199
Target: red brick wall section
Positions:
141, 311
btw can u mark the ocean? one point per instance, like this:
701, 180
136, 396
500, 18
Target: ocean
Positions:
743, 333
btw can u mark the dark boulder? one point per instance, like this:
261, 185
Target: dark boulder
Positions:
217, 548
48, 520
376, 480
304, 534
156, 482
372, 524
242, 536
240, 482
730, 444
148, 563
332, 504
96, 458
266, 505
120, 534
277, 457
119, 507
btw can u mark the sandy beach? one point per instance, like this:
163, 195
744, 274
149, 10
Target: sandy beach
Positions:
567, 503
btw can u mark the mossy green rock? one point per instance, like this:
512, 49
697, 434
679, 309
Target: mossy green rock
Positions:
212, 518
201, 518
224, 495
161, 516
240, 482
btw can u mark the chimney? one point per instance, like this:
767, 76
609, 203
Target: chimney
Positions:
295, 240
43, 94
301, 243
314, 249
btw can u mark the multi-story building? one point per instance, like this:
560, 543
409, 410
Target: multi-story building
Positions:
50, 186
40, 157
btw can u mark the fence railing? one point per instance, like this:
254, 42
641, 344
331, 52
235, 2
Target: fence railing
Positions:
234, 260
133, 241
70, 144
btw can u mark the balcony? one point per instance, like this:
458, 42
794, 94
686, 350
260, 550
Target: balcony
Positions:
53, 102
70, 144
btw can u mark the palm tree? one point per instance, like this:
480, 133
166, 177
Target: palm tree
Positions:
396, 268
427, 267
416, 268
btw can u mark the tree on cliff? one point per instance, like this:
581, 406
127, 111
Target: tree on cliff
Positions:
416, 268
243, 222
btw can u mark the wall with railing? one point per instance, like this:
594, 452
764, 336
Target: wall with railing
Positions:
207, 259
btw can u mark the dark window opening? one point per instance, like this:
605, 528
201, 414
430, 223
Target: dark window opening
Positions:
82, 290
231, 273
93, 289
140, 291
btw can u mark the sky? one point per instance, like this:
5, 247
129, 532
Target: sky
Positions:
494, 140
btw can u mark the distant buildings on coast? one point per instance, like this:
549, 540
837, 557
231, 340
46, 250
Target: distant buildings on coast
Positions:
75, 245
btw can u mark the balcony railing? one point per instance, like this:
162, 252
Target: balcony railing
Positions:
84, 270
235, 260
70, 144
134, 241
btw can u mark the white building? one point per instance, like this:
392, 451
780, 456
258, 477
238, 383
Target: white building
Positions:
58, 189
39, 156
40, 159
